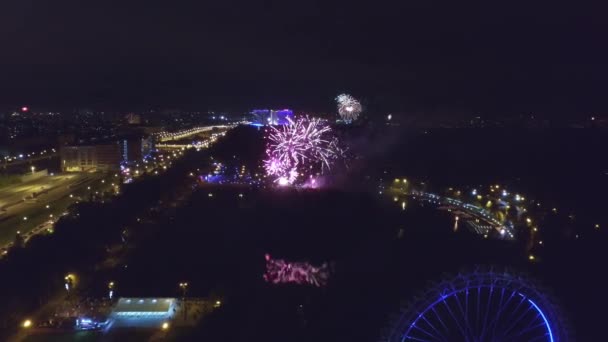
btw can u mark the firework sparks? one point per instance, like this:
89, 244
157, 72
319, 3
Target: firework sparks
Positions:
349, 108
280, 271
298, 148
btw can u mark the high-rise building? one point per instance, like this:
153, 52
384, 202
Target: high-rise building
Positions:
84, 158
105, 156
272, 116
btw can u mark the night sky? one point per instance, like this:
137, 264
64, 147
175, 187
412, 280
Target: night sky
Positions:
237, 54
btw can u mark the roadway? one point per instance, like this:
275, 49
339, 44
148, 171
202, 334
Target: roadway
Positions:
476, 216
18, 201
172, 136
29, 160
12, 195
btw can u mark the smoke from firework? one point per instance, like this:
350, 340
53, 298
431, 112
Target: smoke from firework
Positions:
300, 149
349, 108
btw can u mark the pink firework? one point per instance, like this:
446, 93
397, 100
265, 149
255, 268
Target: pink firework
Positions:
280, 271
300, 147
275, 166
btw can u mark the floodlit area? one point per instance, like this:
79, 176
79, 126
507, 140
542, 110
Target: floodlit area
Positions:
142, 312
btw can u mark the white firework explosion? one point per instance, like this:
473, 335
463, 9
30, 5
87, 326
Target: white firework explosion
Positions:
349, 108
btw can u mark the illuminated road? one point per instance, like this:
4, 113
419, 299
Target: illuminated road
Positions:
29, 160
482, 221
17, 201
171, 136
20, 192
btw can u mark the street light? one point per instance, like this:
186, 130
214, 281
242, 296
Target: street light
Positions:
184, 287
165, 326
111, 289
33, 169
70, 279
27, 323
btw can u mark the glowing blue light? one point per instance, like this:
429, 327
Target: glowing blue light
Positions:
544, 319
443, 296
142, 313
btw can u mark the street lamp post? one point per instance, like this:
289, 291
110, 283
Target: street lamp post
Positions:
70, 280
184, 287
111, 290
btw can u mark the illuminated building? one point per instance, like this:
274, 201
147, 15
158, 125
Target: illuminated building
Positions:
144, 307
279, 117
272, 116
90, 158
143, 312
103, 157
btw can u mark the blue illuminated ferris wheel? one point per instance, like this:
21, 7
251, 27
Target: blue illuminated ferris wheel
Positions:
480, 306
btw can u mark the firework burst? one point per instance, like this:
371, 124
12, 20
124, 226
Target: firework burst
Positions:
349, 108
279, 271
299, 148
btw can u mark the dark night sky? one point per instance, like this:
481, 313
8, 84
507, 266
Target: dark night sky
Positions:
301, 53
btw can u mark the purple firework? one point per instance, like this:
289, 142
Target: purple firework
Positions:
298, 148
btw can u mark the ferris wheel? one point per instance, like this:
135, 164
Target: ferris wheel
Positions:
481, 306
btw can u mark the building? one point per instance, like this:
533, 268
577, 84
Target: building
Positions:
271, 116
104, 157
143, 312
84, 158
281, 116
260, 116
151, 307
131, 150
